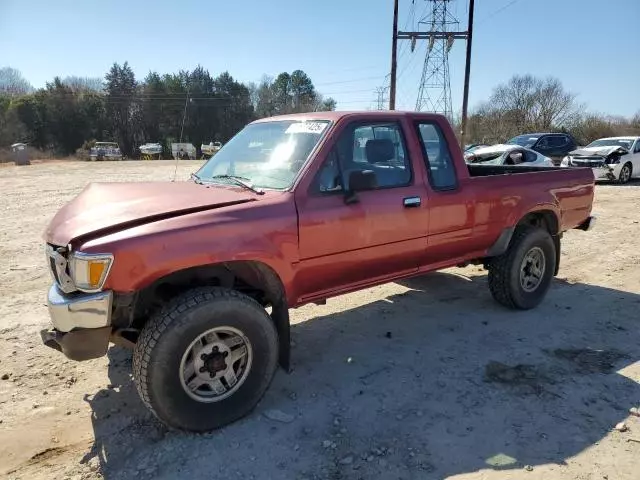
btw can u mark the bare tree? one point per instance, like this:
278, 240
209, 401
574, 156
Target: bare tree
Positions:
12, 83
524, 104
595, 125
535, 104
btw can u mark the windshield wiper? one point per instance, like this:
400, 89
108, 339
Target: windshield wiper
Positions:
196, 179
241, 181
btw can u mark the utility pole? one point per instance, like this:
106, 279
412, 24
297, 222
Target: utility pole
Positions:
467, 72
394, 63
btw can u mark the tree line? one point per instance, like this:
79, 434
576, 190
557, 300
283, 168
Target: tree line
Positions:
71, 113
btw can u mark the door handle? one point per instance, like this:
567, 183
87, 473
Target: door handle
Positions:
411, 202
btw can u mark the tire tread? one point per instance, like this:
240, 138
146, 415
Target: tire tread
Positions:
159, 322
500, 268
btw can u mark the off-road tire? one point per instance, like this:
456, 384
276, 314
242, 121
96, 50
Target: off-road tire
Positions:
168, 334
622, 180
504, 270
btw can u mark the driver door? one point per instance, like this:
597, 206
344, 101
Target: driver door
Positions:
381, 235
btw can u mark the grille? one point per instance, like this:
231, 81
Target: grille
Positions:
54, 271
57, 258
587, 162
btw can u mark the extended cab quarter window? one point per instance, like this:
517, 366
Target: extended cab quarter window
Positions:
378, 147
442, 174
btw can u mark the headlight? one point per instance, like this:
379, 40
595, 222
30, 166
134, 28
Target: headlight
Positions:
89, 271
564, 162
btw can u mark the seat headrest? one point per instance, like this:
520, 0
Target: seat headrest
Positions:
379, 150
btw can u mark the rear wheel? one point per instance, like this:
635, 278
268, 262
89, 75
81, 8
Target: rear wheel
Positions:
625, 174
520, 277
206, 359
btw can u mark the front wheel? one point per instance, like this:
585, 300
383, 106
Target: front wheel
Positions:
625, 174
520, 277
206, 359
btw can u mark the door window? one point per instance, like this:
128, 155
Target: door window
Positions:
558, 141
637, 147
378, 147
440, 169
543, 143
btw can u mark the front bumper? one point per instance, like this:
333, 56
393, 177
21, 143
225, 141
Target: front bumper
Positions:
607, 172
81, 323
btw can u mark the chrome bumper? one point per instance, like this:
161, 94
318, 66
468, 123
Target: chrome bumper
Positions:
82, 323
79, 310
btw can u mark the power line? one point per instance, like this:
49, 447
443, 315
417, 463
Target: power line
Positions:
495, 12
377, 77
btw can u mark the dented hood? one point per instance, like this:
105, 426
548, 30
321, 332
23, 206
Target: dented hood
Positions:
107, 206
601, 151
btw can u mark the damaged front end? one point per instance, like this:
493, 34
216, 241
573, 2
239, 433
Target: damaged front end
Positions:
604, 164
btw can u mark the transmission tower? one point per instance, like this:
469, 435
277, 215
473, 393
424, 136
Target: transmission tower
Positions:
434, 94
439, 28
381, 93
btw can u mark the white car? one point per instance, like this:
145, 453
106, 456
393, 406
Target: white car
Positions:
105, 151
614, 158
507, 155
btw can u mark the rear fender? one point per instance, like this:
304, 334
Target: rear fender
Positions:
542, 217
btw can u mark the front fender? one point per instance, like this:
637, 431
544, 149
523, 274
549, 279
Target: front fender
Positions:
148, 252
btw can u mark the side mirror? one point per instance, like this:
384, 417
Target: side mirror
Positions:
361, 180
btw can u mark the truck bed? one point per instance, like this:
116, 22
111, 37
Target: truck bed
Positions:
568, 192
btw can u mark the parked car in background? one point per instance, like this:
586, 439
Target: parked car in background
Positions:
150, 151
613, 158
210, 149
507, 155
183, 151
105, 151
198, 277
552, 145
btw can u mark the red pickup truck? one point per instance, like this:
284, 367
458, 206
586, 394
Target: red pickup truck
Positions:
197, 277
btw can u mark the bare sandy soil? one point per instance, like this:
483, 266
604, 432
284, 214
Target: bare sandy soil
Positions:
394, 382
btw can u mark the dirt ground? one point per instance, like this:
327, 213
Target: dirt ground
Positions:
423, 379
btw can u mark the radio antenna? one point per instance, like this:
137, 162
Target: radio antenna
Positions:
184, 116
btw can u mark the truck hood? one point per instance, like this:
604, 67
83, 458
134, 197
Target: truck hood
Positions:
601, 151
107, 206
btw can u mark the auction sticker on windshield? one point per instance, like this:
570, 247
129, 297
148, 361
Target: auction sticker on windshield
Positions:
306, 127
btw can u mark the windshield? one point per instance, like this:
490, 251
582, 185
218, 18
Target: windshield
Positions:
523, 140
612, 142
267, 154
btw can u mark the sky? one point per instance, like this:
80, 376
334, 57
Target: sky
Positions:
593, 47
